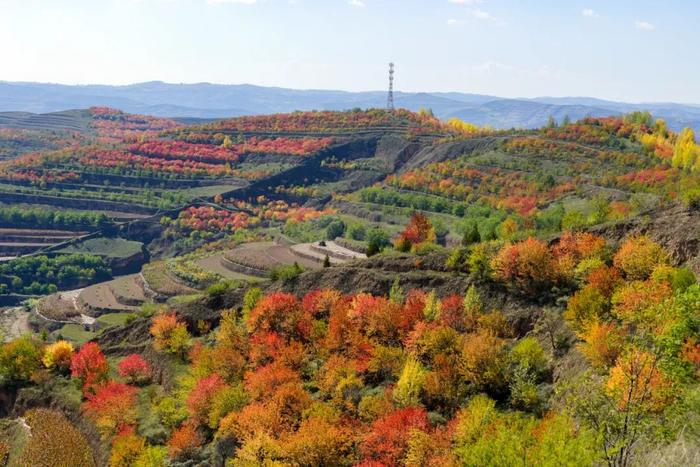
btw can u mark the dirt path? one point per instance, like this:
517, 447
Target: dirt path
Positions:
14, 322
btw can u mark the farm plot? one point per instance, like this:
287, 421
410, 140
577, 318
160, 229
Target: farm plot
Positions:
159, 282
99, 299
318, 251
22, 241
261, 257
215, 264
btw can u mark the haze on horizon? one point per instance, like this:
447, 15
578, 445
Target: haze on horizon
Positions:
633, 51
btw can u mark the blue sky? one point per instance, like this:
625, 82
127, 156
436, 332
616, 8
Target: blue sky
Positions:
628, 50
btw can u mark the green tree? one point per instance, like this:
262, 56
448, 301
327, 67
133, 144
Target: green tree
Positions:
408, 388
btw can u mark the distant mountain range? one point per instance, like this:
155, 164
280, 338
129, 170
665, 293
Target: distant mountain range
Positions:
213, 101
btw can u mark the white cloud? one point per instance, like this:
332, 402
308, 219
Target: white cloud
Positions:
481, 14
452, 22
240, 2
467, 2
356, 3
590, 13
644, 25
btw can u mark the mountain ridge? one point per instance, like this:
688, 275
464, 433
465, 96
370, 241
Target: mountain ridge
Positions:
208, 100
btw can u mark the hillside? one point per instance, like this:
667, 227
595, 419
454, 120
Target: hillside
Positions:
364, 287
205, 100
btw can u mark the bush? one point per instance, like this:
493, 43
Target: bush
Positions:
377, 240
357, 232
111, 407
335, 229
691, 198
286, 272
170, 334
19, 358
638, 256
134, 369
58, 355
529, 265
682, 279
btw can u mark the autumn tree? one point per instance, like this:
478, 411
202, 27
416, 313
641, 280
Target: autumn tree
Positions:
418, 230
388, 438
408, 389
638, 256
685, 151
185, 441
134, 369
89, 365
19, 358
170, 334
58, 355
529, 265
111, 407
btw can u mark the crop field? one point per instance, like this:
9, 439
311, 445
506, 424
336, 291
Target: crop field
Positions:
161, 281
106, 247
265, 255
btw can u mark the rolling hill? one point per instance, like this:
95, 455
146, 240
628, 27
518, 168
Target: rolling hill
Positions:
206, 100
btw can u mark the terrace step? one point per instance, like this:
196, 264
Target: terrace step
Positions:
128, 290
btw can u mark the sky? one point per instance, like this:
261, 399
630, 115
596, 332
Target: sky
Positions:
626, 50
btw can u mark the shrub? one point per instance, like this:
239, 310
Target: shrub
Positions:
691, 198
529, 265
58, 355
184, 441
134, 369
112, 407
480, 259
682, 279
377, 240
286, 272
335, 229
418, 230
634, 301
387, 441
410, 384
602, 343
587, 305
202, 395
127, 447
638, 256
529, 354
471, 235
170, 334
19, 358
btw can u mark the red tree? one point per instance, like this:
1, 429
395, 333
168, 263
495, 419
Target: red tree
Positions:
89, 365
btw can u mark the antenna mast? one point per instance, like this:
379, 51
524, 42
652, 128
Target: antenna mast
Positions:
390, 97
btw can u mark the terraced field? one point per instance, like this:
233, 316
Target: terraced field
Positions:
14, 242
259, 258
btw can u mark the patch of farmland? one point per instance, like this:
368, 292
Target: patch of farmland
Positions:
15, 242
128, 290
318, 251
159, 282
107, 247
215, 264
61, 306
263, 256
99, 299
